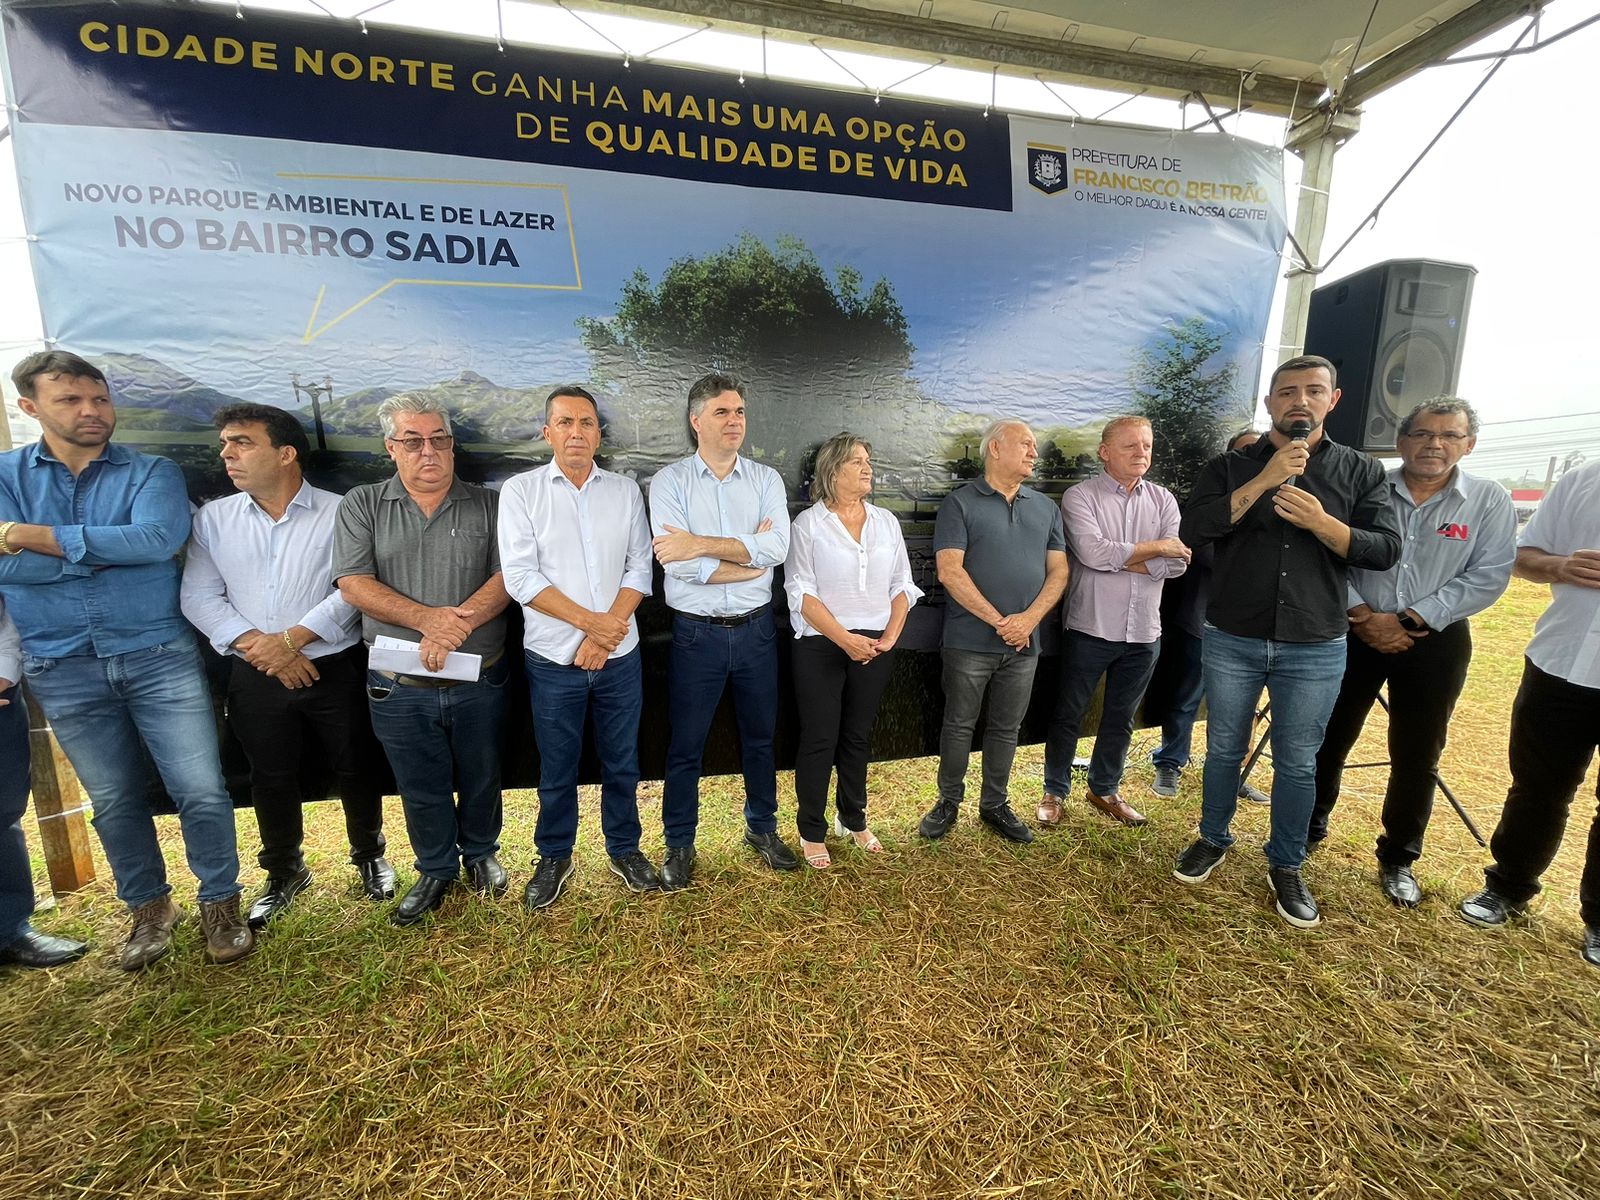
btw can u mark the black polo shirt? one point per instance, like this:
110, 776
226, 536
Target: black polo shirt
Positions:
1005, 543
1274, 580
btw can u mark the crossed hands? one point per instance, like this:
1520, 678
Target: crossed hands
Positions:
1016, 630
602, 634
1384, 633
863, 649
443, 629
272, 656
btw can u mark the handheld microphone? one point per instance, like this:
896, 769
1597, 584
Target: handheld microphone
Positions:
1299, 430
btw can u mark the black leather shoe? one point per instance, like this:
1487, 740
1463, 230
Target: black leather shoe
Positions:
1488, 909
426, 894
678, 868
773, 850
1006, 823
487, 876
549, 877
1400, 885
634, 869
276, 897
939, 820
1591, 945
377, 879
35, 949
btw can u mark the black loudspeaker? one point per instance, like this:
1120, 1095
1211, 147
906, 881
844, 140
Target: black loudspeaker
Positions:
1394, 332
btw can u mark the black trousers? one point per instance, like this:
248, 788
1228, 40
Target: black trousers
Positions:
1424, 684
279, 728
838, 701
1555, 727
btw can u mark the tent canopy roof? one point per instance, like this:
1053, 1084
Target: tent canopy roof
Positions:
1290, 54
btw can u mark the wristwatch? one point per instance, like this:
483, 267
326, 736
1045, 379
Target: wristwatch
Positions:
1412, 624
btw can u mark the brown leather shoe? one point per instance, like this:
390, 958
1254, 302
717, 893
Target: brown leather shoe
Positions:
228, 935
152, 933
1049, 812
1118, 809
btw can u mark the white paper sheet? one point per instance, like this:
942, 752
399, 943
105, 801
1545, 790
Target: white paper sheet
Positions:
405, 658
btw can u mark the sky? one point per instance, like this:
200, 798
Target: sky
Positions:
1505, 190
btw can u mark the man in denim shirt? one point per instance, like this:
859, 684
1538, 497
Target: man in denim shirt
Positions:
89, 534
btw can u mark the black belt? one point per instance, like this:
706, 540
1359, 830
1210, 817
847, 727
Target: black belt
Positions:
724, 622
423, 681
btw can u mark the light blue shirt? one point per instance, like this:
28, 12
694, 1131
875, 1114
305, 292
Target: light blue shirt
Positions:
688, 496
121, 523
246, 571
1456, 552
588, 543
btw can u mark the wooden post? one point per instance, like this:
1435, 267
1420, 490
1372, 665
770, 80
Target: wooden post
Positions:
58, 803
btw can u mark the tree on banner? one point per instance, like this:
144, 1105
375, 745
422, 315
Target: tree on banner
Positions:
1190, 412
820, 354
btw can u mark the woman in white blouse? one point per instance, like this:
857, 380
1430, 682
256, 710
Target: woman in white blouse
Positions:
849, 586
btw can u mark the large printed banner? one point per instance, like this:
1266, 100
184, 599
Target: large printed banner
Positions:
290, 212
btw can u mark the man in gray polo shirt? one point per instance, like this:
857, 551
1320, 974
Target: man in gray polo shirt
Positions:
1002, 558
418, 556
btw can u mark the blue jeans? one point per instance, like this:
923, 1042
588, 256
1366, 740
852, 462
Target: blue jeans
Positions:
101, 709
1302, 681
562, 697
444, 747
966, 676
705, 660
16, 872
1177, 728
1126, 667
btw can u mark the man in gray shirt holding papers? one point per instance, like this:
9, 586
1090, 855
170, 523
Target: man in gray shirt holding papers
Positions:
258, 583
576, 550
417, 556
1409, 628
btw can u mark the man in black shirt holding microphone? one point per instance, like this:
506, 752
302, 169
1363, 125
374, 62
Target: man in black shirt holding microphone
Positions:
1288, 517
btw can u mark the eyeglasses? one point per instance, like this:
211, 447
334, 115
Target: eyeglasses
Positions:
413, 445
1444, 439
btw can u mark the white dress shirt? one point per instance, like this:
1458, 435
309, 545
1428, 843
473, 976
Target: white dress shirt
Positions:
588, 543
687, 495
856, 581
10, 647
246, 571
1566, 641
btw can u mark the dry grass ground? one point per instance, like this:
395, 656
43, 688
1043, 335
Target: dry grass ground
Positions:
950, 1020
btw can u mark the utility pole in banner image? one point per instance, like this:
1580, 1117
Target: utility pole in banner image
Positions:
315, 392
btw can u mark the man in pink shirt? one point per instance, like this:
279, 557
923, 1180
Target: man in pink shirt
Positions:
1122, 538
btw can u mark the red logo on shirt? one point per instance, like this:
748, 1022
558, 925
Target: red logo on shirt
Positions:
1453, 531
